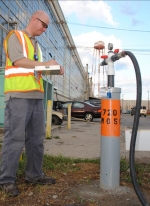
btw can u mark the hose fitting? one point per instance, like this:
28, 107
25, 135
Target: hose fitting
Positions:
117, 56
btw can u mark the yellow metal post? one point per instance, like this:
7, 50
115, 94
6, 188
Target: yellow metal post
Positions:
69, 116
49, 119
20, 158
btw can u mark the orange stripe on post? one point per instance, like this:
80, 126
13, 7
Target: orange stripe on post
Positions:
110, 118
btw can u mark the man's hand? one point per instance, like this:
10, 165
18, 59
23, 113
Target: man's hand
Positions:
50, 63
28, 63
53, 62
61, 70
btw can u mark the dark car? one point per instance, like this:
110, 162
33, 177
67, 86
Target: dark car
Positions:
143, 111
95, 102
82, 110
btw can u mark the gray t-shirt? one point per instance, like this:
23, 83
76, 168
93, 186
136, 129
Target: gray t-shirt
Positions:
15, 53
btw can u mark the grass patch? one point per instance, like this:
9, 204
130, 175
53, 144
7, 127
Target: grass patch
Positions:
142, 172
53, 137
125, 171
63, 165
49, 137
58, 163
1, 141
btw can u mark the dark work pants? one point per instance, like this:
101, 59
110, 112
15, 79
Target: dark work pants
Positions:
24, 125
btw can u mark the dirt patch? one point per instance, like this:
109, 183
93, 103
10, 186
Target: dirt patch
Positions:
75, 188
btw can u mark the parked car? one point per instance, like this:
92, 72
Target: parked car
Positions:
95, 102
57, 118
82, 110
143, 111
128, 111
124, 112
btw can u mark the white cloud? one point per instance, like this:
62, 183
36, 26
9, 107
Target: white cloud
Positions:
84, 10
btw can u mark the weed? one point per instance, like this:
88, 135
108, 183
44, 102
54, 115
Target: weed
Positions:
56, 137
49, 137
142, 172
52, 137
79, 199
124, 165
21, 167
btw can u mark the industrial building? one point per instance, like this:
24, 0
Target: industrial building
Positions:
56, 43
128, 104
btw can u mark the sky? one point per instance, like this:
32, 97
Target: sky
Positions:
125, 24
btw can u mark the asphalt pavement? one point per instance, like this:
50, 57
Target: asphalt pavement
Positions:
83, 141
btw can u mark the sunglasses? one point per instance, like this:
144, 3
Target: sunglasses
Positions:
43, 24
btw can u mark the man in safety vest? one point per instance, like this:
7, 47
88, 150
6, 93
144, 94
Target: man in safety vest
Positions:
24, 122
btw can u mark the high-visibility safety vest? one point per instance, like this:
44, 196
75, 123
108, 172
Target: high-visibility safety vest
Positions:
18, 79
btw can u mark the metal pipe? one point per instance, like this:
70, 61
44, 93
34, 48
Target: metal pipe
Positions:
110, 139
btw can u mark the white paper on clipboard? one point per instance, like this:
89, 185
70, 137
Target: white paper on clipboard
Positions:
48, 70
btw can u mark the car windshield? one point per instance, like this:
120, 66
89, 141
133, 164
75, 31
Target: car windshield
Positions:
90, 104
65, 105
78, 105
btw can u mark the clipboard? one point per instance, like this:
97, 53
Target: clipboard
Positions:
48, 70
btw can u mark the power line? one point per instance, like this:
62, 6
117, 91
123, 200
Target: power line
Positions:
122, 49
92, 47
102, 27
141, 54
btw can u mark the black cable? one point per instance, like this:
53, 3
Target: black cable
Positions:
134, 130
102, 27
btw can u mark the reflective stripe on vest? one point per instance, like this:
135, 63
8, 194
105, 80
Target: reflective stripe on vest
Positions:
40, 54
18, 78
18, 70
23, 44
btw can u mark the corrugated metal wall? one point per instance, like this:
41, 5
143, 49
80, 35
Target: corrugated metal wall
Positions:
52, 43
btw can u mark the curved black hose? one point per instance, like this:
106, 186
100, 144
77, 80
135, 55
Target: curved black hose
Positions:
135, 128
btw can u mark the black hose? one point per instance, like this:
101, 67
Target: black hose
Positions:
134, 130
